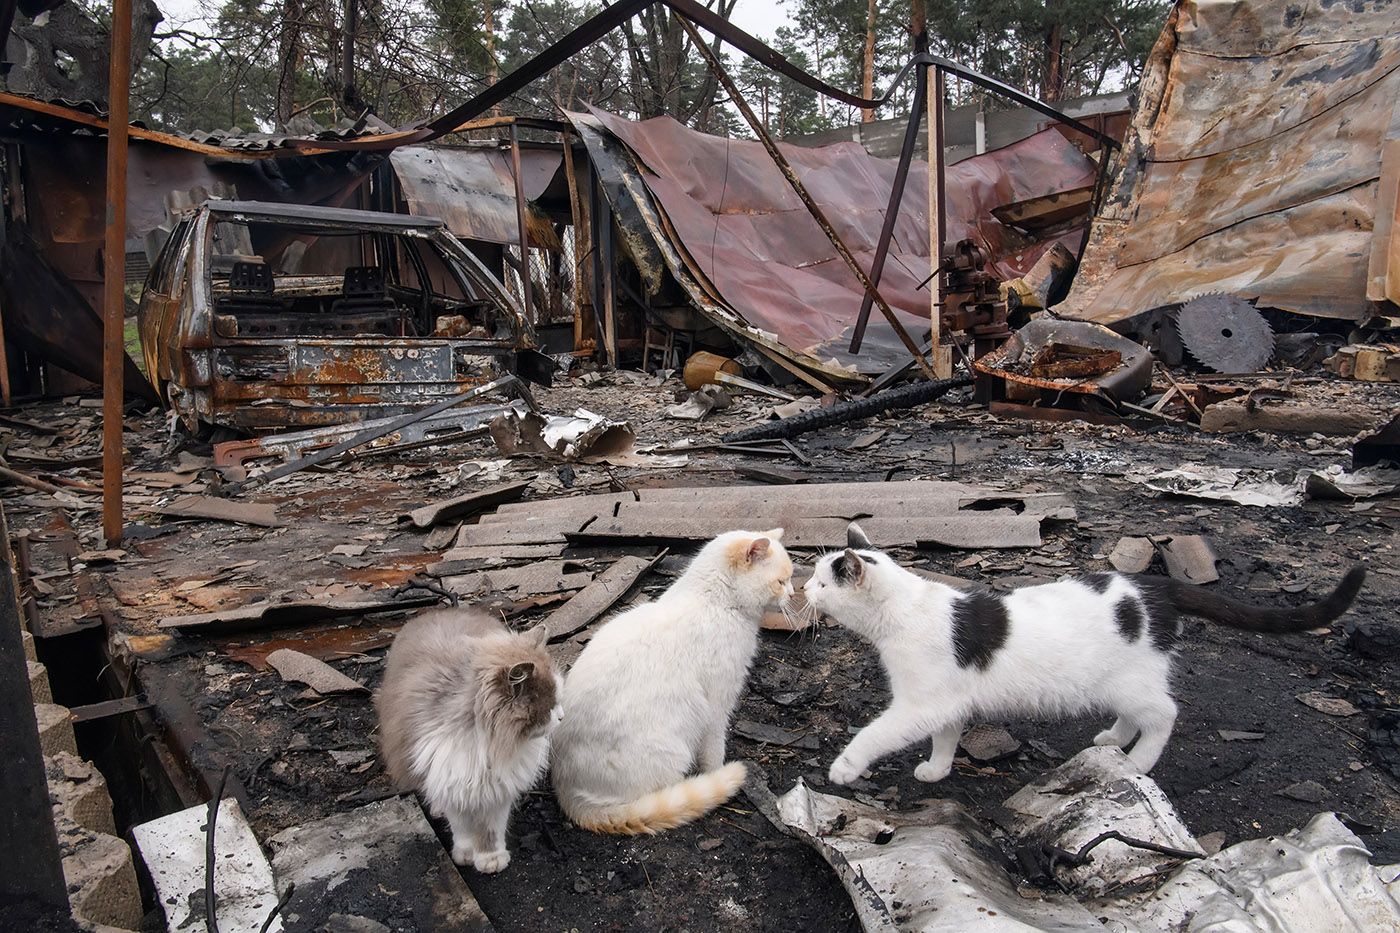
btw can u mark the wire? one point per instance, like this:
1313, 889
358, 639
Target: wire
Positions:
211, 921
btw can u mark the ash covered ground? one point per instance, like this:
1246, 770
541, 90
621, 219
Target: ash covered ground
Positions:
301, 756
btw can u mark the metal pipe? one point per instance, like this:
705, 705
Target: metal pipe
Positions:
801, 190
521, 216
30, 866
938, 207
114, 271
901, 176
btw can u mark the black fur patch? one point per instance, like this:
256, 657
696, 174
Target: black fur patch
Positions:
980, 625
1098, 582
1128, 614
845, 569
1163, 622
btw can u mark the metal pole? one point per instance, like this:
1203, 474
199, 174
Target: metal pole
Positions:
114, 271
802, 193
901, 176
521, 214
942, 356
30, 866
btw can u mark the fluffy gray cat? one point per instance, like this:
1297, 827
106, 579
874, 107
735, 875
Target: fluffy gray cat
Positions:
465, 713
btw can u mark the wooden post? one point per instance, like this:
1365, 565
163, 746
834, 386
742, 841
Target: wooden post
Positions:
585, 338
114, 272
4, 366
608, 255
522, 213
942, 351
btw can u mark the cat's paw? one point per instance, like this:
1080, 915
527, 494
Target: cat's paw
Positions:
489, 863
1107, 737
461, 853
843, 771
929, 773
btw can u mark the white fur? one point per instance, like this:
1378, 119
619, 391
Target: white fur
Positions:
461, 782
650, 697
443, 734
1064, 654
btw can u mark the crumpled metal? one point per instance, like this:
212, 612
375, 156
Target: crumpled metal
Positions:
1261, 162
735, 228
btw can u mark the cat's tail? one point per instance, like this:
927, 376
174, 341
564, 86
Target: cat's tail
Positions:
662, 809
1235, 614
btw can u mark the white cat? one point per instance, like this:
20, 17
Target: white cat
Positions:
1099, 642
465, 713
650, 697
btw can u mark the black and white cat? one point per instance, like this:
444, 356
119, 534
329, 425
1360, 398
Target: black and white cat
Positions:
1101, 642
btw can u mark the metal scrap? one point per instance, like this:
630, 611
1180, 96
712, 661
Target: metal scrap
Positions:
440, 427
1043, 341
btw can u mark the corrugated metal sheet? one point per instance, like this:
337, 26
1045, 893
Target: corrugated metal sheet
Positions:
1254, 163
473, 190
745, 238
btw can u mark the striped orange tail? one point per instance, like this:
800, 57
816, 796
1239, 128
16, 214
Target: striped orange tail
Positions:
662, 809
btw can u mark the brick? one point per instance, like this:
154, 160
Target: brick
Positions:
55, 729
29, 653
39, 687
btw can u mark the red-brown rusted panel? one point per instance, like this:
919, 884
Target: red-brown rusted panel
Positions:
745, 229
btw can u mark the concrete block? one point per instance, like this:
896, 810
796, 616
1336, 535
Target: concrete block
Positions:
29, 653
55, 729
172, 847
101, 878
39, 683
79, 793
97, 866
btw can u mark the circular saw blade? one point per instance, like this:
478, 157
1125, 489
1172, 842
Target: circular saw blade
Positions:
1225, 334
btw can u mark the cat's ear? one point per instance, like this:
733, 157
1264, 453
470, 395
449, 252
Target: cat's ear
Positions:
775, 533
850, 568
518, 675
758, 549
541, 635
856, 538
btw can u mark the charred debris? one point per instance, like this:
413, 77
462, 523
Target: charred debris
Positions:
531, 364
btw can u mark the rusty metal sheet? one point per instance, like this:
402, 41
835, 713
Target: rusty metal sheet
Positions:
744, 232
1022, 359
1253, 165
473, 190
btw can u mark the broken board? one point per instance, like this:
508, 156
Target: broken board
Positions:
598, 597
894, 514
462, 506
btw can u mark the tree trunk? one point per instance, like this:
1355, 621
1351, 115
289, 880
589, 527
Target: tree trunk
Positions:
289, 54
868, 76
488, 28
1052, 88
349, 96
918, 25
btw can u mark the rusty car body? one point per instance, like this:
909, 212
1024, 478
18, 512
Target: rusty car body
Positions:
262, 316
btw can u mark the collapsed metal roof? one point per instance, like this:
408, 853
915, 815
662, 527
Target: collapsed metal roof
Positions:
1255, 165
731, 230
473, 190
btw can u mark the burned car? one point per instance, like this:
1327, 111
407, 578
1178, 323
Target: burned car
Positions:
261, 316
